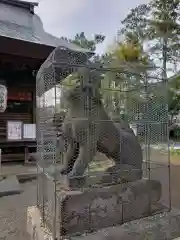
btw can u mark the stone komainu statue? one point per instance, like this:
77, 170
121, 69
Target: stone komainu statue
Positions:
87, 128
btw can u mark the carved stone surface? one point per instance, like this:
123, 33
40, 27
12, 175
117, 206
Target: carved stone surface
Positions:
90, 131
98, 208
94, 202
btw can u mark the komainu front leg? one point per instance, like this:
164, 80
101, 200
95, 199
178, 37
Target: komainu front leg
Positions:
86, 155
70, 157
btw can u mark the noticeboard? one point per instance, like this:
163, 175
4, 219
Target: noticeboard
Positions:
29, 131
14, 130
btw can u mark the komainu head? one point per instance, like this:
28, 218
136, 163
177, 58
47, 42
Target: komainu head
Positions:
80, 87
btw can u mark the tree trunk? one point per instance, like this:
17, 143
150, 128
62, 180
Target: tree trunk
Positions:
164, 55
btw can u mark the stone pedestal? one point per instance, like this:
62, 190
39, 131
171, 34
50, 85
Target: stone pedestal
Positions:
101, 207
98, 207
160, 226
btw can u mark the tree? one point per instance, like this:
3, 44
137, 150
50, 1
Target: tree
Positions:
136, 22
81, 40
174, 97
132, 64
157, 23
165, 26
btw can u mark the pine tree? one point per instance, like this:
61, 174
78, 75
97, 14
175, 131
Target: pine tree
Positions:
157, 23
81, 40
132, 63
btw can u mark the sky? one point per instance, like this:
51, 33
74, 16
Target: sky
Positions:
68, 17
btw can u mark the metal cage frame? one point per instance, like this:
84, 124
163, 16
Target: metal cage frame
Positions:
153, 125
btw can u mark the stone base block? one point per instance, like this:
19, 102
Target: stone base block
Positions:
97, 208
89, 209
160, 226
34, 225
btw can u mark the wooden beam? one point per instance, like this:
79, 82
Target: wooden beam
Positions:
24, 49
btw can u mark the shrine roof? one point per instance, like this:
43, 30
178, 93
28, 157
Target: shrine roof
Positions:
18, 21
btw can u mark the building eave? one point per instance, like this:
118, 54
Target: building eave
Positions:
20, 24
21, 4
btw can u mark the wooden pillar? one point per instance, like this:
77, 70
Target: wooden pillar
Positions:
34, 105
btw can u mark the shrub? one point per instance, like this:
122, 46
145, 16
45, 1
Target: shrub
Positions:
175, 152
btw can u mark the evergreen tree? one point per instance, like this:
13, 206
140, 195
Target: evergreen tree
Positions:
81, 40
157, 23
132, 63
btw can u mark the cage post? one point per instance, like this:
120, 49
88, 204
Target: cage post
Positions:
147, 137
89, 93
146, 132
165, 81
0, 161
54, 211
169, 172
1, 177
54, 181
147, 147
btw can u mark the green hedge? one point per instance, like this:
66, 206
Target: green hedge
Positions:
175, 134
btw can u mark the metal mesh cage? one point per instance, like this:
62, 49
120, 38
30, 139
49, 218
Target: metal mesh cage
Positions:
98, 126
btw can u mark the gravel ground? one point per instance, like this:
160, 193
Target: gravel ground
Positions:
13, 213
15, 168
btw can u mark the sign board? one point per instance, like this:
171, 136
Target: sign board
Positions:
21, 96
29, 131
14, 130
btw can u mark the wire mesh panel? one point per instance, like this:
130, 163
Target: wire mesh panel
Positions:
98, 132
150, 120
